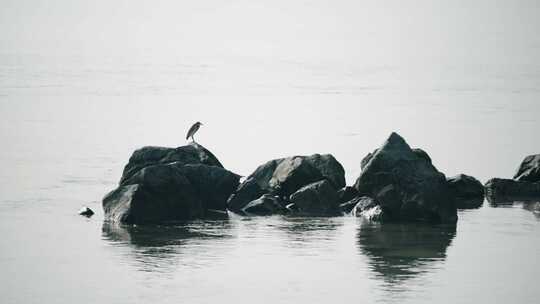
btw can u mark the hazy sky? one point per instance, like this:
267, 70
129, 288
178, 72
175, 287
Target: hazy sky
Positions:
389, 31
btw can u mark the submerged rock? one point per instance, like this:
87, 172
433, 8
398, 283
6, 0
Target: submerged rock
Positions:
319, 198
163, 190
529, 170
499, 190
465, 186
283, 177
405, 184
85, 211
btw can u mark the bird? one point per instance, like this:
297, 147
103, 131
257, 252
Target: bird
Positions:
193, 130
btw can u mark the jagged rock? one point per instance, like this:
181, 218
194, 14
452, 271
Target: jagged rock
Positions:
166, 191
265, 205
465, 186
500, 190
319, 198
282, 177
405, 184
85, 211
529, 170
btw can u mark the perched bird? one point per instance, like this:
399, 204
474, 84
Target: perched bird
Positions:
193, 130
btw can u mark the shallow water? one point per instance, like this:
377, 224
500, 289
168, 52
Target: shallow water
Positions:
74, 105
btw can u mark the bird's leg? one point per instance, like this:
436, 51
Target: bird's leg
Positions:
193, 138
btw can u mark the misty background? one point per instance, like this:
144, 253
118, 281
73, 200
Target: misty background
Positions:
85, 83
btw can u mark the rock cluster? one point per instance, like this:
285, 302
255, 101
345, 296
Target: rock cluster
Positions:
396, 183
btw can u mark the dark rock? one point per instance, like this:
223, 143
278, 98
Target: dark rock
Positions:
85, 211
346, 194
367, 158
405, 184
465, 186
529, 170
171, 191
367, 207
267, 204
422, 154
319, 198
348, 206
149, 156
500, 190
282, 177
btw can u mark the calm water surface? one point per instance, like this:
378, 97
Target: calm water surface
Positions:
72, 112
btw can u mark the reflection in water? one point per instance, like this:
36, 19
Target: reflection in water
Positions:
530, 204
400, 251
471, 203
533, 206
302, 229
159, 248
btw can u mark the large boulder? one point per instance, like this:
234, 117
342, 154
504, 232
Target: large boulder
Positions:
465, 186
405, 184
166, 191
149, 156
283, 177
319, 199
499, 190
529, 170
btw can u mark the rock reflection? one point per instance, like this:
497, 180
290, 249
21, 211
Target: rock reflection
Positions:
303, 230
400, 251
530, 204
471, 203
160, 248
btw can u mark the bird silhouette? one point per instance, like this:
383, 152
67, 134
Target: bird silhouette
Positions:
193, 130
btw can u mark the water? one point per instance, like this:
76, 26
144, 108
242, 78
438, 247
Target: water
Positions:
83, 85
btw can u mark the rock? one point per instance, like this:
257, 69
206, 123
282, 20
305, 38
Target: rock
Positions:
265, 205
405, 184
346, 194
465, 186
348, 206
367, 158
529, 170
422, 154
365, 207
319, 198
85, 211
282, 177
171, 191
149, 156
500, 190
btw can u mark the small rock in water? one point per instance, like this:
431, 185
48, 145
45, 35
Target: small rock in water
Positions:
85, 211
